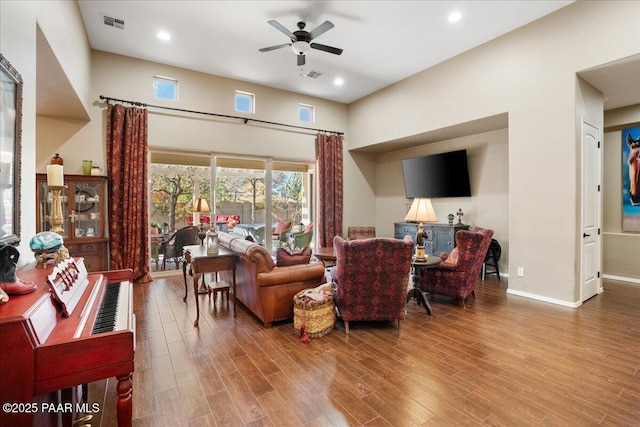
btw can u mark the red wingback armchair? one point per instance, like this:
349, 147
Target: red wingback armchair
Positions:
371, 277
459, 270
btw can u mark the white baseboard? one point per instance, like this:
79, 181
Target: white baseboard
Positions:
501, 274
621, 278
545, 299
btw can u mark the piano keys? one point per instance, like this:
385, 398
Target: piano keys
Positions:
112, 315
46, 348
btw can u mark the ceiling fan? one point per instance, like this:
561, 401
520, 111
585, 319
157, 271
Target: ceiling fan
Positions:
301, 40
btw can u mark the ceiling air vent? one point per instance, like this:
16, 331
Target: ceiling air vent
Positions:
313, 74
113, 22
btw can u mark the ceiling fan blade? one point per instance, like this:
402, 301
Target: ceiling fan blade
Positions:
330, 49
282, 29
321, 29
300, 60
280, 46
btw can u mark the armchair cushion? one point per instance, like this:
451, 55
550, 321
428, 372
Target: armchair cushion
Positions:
285, 257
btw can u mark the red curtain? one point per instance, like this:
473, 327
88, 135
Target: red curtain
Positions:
329, 157
128, 204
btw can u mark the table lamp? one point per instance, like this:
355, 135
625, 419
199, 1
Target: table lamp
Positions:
421, 210
201, 205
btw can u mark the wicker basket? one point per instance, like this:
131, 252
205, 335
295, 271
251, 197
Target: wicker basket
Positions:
317, 316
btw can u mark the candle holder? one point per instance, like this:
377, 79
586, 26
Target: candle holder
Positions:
56, 208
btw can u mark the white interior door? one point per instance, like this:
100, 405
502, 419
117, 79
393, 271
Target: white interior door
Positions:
591, 211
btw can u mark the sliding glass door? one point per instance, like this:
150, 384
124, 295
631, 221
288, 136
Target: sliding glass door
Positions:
242, 188
248, 198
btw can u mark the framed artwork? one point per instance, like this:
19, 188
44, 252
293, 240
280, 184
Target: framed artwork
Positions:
10, 150
631, 179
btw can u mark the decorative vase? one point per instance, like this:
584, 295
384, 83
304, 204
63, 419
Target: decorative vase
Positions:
57, 160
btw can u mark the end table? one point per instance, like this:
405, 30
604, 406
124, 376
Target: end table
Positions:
201, 262
418, 265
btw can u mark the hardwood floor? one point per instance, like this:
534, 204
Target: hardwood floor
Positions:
502, 361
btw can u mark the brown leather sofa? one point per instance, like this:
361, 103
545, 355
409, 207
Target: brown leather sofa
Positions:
261, 286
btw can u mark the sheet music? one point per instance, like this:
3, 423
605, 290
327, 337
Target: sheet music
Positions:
68, 281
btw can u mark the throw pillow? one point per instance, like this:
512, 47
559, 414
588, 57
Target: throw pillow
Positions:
308, 228
281, 226
285, 257
451, 259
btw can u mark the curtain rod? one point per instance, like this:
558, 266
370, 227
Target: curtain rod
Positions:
245, 119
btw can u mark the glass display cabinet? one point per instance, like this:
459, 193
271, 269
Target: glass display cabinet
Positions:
83, 211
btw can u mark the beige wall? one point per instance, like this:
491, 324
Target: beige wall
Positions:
61, 21
132, 79
61, 24
589, 110
620, 253
488, 206
531, 74
100, 73
360, 190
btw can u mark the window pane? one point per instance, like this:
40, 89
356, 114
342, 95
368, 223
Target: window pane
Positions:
244, 102
306, 113
165, 89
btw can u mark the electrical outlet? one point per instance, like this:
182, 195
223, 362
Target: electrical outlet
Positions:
520, 271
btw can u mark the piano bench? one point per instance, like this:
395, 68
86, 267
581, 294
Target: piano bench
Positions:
219, 286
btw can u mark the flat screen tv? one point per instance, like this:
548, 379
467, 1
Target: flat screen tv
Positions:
437, 175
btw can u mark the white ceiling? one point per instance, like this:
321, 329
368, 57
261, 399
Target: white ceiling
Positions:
383, 41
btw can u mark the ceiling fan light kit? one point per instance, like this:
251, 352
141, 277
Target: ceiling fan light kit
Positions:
300, 48
301, 40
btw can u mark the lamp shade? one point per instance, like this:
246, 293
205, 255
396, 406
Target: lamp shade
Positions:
421, 211
201, 205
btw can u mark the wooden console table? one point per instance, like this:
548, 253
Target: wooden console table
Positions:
200, 263
440, 237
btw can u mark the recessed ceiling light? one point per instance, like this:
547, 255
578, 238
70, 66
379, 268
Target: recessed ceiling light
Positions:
164, 35
338, 81
455, 16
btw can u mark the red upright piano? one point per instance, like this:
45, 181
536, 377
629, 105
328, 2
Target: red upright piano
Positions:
53, 340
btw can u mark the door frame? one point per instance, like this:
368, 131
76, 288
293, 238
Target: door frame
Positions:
583, 207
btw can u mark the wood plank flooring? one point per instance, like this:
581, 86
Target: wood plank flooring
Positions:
502, 361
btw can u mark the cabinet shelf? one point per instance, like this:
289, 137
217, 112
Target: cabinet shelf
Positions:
83, 214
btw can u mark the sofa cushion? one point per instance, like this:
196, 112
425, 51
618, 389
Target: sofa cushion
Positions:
285, 257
